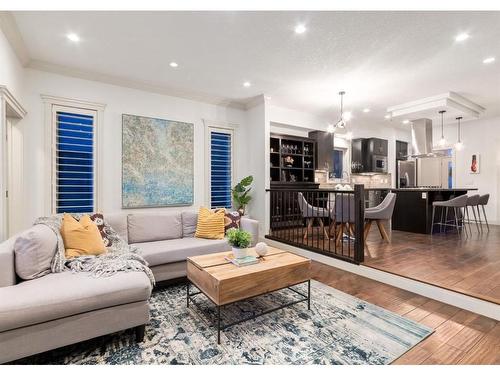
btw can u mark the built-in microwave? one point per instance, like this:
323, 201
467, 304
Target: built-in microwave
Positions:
379, 163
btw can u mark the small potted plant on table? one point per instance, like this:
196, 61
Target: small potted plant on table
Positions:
240, 241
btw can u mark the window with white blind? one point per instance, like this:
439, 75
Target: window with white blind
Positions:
221, 166
74, 160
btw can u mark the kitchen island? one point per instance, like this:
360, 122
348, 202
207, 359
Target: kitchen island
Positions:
413, 209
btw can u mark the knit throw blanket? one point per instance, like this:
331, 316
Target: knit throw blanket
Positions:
120, 256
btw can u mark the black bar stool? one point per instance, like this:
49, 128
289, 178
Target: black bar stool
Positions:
457, 204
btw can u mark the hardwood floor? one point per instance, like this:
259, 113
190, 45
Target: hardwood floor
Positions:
460, 337
466, 265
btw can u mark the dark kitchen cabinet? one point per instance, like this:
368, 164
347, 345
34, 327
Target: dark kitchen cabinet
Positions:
401, 150
365, 152
358, 164
377, 146
324, 149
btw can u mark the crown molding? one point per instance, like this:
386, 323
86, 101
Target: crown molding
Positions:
134, 84
20, 112
9, 27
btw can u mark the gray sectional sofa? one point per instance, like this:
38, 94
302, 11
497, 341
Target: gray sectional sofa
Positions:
59, 309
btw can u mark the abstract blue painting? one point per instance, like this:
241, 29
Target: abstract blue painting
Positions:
157, 162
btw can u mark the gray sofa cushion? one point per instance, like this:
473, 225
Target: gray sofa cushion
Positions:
118, 221
34, 250
59, 295
189, 222
162, 252
148, 227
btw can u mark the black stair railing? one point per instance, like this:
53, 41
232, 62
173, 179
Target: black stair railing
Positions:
329, 222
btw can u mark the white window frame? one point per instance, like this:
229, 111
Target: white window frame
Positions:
211, 126
345, 161
53, 105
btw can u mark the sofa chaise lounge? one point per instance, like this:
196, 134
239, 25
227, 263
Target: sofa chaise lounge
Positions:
64, 308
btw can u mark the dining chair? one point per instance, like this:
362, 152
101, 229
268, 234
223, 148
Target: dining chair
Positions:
310, 212
380, 213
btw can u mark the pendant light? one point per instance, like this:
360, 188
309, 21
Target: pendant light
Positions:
459, 145
341, 124
442, 141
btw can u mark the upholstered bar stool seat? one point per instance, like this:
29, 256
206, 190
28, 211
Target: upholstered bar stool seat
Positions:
456, 204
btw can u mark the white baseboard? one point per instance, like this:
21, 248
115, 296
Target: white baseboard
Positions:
476, 305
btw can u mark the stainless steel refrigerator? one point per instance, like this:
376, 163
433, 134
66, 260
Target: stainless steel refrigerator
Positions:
407, 174
435, 171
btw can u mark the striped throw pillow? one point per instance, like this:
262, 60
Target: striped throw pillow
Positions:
210, 224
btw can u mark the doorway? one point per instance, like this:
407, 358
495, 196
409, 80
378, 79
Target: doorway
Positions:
11, 162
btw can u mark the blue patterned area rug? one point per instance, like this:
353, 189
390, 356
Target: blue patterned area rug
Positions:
339, 329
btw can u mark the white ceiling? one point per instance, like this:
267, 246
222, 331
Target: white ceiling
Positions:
380, 58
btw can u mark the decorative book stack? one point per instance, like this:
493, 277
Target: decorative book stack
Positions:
240, 262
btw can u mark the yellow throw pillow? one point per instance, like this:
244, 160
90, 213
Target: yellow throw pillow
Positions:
81, 237
210, 224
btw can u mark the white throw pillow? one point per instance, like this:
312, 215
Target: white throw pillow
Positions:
34, 250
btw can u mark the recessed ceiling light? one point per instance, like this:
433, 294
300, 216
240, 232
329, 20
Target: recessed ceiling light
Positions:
247, 84
387, 116
406, 121
366, 110
300, 29
488, 60
461, 37
73, 37
173, 64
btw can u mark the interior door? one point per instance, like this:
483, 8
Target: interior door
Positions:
14, 183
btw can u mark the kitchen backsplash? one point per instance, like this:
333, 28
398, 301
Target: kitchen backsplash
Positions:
373, 181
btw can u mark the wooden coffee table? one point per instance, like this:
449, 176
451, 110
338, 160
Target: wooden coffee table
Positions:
224, 283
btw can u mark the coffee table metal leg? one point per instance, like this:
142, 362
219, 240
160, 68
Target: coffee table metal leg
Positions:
218, 324
309, 294
187, 294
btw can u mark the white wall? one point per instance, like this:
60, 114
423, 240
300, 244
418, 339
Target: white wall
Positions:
478, 136
11, 70
118, 100
285, 116
258, 126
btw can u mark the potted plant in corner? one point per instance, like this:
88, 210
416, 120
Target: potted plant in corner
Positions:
240, 194
240, 241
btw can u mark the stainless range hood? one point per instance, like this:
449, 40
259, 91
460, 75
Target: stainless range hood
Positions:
421, 137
